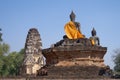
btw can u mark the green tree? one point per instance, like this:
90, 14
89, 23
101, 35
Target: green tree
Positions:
18, 61
5, 66
4, 48
12, 63
1, 64
117, 60
9, 64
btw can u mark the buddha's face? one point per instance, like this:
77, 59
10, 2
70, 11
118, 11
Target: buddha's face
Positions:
72, 18
93, 33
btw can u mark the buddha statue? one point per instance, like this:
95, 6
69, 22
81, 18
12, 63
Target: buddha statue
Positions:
72, 28
94, 39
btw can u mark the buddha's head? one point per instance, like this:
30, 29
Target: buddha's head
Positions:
72, 16
93, 32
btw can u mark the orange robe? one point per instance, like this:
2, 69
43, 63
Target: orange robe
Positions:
71, 31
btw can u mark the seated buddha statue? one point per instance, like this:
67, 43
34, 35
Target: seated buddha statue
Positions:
94, 39
72, 28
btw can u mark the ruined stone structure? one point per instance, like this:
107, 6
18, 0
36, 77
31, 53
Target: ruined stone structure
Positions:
75, 57
78, 51
72, 57
33, 58
75, 52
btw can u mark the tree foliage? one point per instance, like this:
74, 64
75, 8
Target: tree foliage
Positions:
117, 60
9, 64
4, 48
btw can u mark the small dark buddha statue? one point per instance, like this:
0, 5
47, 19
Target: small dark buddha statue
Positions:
94, 39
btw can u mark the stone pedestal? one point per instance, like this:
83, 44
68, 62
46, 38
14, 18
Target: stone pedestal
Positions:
81, 53
74, 59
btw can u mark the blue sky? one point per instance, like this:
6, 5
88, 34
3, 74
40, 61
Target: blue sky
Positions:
50, 16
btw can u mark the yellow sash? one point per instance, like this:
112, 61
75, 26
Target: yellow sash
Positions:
71, 31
